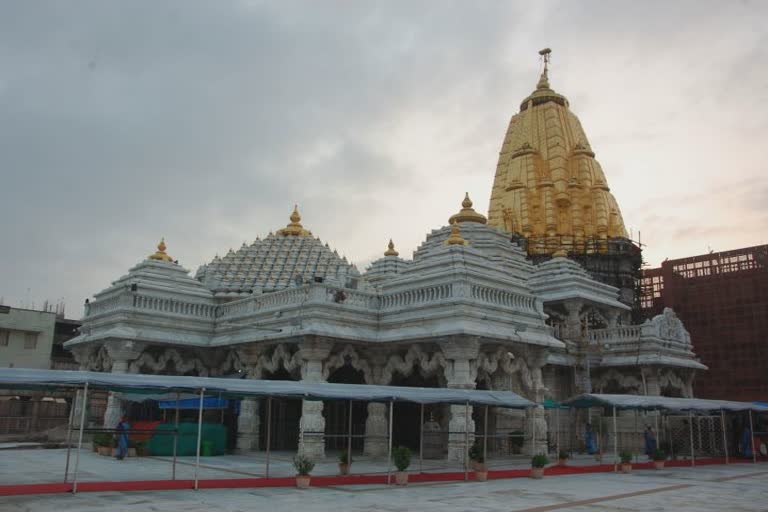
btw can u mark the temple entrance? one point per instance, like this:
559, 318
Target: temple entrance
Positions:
407, 416
286, 413
336, 413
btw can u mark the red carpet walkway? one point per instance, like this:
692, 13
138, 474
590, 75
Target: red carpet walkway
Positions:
322, 481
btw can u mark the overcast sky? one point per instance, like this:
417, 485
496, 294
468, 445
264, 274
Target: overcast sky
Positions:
204, 122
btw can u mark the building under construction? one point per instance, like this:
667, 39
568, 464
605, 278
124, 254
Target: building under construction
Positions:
723, 300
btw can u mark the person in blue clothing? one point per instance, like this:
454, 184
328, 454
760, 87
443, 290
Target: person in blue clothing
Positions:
589, 440
746, 443
122, 438
650, 441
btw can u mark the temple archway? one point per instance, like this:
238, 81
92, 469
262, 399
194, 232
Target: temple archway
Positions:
336, 412
286, 413
407, 416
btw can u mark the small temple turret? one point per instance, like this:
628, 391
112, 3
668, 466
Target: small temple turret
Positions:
391, 249
160, 254
467, 213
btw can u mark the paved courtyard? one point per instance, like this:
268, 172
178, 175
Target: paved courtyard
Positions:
738, 487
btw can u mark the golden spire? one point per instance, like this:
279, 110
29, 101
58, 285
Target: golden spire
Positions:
160, 255
391, 249
455, 238
467, 213
294, 228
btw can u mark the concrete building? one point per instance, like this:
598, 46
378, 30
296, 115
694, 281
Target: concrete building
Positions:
26, 337
471, 308
723, 299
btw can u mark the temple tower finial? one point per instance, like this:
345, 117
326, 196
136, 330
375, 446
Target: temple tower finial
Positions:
544, 78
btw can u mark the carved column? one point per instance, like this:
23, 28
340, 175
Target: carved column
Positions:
536, 421
460, 372
376, 443
122, 352
313, 353
248, 421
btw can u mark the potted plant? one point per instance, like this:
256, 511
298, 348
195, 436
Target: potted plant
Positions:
303, 466
345, 462
537, 465
659, 457
477, 461
401, 456
103, 443
142, 450
626, 461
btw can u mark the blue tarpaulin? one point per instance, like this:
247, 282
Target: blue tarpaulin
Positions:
209, 402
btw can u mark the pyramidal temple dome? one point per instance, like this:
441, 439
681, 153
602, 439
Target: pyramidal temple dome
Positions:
549, 188
275, 262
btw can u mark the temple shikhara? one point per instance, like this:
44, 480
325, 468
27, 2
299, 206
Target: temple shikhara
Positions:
539, 297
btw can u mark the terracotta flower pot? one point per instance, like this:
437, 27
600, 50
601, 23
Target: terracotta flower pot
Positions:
626, 467
131, 452
343, 468
481, 475
658, 464
562, 462
302, 482
105, 450
537, 473
401, 478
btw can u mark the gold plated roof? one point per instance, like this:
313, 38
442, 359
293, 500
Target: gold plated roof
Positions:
391, 249
294, 228
160, 255
467, 213
548, 186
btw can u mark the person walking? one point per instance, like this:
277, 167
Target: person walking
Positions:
122, 438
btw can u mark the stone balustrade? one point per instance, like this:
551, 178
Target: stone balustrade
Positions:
416, 296
618, 334
503, 298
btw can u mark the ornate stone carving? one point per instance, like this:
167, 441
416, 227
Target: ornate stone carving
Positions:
668, 326
414, 358
625, 383
182, 364
350, 355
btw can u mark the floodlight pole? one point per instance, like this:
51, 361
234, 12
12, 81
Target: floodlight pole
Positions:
175, 437
615, 442
69, 435
199, 436
269, 433
80, 438
690, 428
725, 438
466, 441
389, 458
421, 441
349, 440
752, 438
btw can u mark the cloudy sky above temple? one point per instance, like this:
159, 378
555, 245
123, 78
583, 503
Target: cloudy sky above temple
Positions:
205, 122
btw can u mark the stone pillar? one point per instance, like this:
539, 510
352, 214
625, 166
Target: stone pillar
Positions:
460, 372
122, 353
376, 442
248, 423
313, 353
536, 420
376, 431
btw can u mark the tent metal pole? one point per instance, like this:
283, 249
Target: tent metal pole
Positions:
269, 434
557, 429
637, 455
485, 436
221, 420
421, 441
389, 457
175, 437
466, 441
725, 437
80, 438
349, 439
615, 442
698, 427
199, 436
69, 435
690, 428
752, 438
